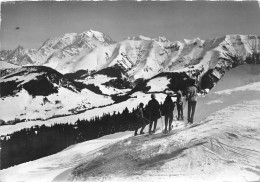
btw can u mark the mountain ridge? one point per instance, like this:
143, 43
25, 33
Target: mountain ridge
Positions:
69, 43
142, 57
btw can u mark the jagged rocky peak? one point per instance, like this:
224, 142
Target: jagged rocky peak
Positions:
252, 41
193, 41
15, 55
19, 48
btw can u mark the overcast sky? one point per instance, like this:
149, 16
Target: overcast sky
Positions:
38, 21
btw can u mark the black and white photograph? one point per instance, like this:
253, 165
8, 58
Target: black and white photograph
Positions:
130, 91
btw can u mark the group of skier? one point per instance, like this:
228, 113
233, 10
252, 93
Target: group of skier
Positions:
155, 110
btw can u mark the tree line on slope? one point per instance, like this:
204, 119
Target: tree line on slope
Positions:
40, 141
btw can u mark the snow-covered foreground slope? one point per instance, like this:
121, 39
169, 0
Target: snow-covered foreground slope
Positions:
47, 168
223, 145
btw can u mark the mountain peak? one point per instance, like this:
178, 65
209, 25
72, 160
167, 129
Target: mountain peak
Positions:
19, 47
101, 37
191, 41
92, 33
162, 39
66, 35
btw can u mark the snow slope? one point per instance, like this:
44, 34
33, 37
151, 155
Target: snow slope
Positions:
158, 84
57, 105
100, 80
223, 145
47, 168
41, 93
118, 107
5, 65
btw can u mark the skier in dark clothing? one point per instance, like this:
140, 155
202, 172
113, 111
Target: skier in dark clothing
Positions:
192, 100
154, 113
179, 103
168, 108
141, 120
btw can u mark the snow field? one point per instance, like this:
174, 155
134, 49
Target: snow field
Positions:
5, 65
98, 80
158, 84
47, 168
58, 104
119, 107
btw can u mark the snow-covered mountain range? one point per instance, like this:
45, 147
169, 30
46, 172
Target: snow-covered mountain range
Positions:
18, 56
139, 57
144, 58
56, 48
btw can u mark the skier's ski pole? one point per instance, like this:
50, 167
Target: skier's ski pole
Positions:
147, 119
185, 105
161, 119
144, 118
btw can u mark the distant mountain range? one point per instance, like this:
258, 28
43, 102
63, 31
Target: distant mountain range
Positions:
139, 57
59, 48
